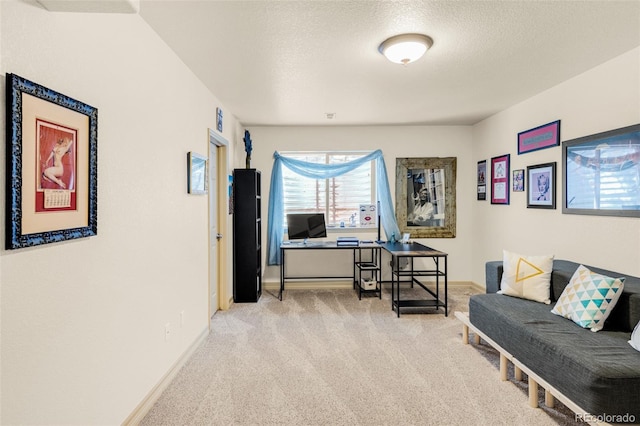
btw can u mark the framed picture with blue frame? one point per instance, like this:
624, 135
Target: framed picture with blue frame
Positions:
51, 169
541, 137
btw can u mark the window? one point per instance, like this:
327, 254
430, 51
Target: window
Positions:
338, 198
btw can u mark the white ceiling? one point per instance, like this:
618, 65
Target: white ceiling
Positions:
291, 62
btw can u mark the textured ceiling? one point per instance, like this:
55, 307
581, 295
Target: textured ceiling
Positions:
291, 62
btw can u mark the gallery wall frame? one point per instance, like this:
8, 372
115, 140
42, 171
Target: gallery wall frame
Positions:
197, 173
424, 181
518, 180
601, 172
500, 179
541, 137
541, 188
52, 166
481, 173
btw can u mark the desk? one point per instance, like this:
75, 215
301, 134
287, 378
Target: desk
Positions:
411, 251
321, 245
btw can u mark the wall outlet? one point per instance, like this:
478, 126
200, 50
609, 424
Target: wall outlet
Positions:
167, 331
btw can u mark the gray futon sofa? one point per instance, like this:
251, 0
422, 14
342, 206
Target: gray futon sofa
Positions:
598, 371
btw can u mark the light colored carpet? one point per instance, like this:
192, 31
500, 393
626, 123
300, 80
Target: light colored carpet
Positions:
323, 357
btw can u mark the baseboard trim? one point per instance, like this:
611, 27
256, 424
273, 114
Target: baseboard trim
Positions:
147, 403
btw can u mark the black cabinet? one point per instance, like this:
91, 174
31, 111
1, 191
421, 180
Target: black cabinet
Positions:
247, 235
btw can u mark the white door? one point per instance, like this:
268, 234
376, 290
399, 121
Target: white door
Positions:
214, 237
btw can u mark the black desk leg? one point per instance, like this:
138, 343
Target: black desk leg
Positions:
393, 282
446, 299
398, 287
281, 273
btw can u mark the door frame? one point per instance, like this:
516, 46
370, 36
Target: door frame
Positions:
217, 141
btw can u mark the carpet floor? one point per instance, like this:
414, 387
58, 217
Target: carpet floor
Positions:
323, 357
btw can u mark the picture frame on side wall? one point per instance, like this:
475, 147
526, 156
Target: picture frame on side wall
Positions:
518, 180
52, 166
197, 173
601, 173
500, 179
541, 190
426, 196
481, 174
541, 137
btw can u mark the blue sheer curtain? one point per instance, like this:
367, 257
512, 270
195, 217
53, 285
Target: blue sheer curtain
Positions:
275, 229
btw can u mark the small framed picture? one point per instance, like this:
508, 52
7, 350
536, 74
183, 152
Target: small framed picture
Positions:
482, 180
518, 180
541, 188
197, 173
500, 179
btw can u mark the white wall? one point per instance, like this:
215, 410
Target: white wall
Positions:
395, 142
604, 98
83, 321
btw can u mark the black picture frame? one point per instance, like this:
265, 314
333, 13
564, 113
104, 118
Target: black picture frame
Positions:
481, 180
541, 186
596, 173
29, 220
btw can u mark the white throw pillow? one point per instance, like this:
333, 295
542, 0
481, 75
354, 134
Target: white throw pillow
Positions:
589, 298
635, 338
527, 277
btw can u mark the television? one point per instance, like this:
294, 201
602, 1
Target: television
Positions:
306, 225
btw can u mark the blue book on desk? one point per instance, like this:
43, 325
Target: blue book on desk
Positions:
347, 241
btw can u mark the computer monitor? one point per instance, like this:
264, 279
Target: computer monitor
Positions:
306, 225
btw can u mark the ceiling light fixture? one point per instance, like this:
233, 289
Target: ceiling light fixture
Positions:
405, 48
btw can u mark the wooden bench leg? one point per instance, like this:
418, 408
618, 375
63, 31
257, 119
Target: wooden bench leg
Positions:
476, 339
503, 368
549, 400
465, 334
533, 393
517, 373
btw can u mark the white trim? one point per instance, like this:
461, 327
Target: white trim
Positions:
147, 403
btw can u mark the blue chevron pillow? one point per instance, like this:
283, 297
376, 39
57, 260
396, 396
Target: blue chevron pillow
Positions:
589, 298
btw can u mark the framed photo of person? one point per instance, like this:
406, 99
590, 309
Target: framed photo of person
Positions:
52, 146
518, 180
500, 179
426, 196
541, 188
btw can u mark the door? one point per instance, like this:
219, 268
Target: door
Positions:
214, 235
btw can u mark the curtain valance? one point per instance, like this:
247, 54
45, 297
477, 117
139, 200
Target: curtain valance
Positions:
275, 229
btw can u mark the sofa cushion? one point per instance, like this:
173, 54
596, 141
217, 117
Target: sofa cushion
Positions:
600, 372
589, 298
527, 277
635, 338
